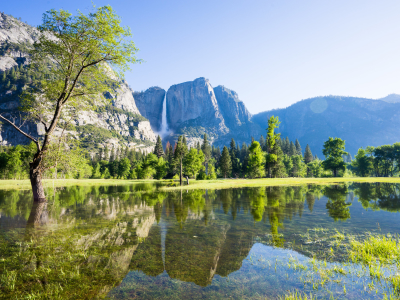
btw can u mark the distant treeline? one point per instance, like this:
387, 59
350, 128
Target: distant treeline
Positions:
271, 157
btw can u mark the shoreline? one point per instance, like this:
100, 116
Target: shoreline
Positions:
194, 184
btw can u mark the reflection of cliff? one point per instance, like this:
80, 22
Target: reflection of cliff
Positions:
148, 256
192, 254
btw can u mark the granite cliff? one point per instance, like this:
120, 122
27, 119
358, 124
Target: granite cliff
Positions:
150, 105
195, 108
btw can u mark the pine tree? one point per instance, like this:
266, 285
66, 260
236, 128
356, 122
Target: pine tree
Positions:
198, 147
112, 156
244, 157
206, 148
158, 149
298, 148
106, 153
262, 143
234, 158
225, 162
100, 154
117, 154
308, 157
292, 149
3, 78
232, 147
179, 154
287, 146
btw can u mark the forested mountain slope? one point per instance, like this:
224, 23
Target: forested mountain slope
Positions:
360, 122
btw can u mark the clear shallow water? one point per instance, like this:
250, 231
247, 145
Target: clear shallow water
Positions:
139, 242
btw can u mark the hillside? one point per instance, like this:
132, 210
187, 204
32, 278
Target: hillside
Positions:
117, 124
361, 122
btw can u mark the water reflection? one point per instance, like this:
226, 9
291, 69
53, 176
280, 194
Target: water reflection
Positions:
192, 236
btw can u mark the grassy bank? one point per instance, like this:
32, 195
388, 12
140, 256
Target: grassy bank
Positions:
26, 185
237, 183
196, 184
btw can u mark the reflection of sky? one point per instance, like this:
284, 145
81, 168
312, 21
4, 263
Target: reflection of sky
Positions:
265, 272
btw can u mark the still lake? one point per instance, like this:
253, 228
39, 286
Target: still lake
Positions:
142, 242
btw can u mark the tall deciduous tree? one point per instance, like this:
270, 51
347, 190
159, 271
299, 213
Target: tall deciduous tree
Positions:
193, 162
77, 49
271, 157
256, 165
225, 162
333, 151
363, 163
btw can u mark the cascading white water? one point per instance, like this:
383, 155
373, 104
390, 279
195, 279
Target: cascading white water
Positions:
164, 125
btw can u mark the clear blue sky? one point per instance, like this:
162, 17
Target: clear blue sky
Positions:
272, 53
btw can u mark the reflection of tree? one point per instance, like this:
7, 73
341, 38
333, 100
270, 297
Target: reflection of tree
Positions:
378, 196
337, 206
39, 214
257, 202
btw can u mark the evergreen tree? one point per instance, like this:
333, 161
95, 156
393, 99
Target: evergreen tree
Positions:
106, 153
206, 148
262, 143
278, 168
234, 159
117, 154
292, 149
308, 157
232, 147
198, 146
158, 149
244, 157
132, 156
299, 151
112, 156
285, 146
225, 162
3, 77
179, 154
100, 154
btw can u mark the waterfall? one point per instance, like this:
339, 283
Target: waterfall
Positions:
164, 126
163, 236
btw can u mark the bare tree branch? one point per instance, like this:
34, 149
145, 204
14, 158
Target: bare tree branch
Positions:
22, 132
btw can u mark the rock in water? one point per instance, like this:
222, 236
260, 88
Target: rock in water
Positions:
150, 105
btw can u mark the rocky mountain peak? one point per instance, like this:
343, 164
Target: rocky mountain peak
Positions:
193, 104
